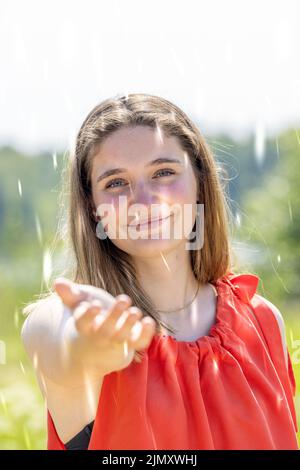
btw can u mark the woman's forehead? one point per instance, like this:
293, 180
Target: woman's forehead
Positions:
139, 145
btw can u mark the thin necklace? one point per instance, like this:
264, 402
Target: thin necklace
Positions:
182, 308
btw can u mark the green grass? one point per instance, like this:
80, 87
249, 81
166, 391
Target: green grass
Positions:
23, 413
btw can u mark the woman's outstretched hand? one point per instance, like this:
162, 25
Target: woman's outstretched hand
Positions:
109, 330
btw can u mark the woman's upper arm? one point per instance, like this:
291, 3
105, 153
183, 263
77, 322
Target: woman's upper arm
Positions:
280, 321
42, 318
42, 335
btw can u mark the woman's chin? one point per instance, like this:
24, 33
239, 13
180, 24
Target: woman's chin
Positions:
148, 248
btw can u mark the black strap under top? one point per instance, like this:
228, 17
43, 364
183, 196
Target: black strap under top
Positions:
81, 440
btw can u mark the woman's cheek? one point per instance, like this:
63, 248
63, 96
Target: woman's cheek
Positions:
182, 195
107, 209
180, 191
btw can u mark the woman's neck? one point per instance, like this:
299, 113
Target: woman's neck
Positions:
168, 278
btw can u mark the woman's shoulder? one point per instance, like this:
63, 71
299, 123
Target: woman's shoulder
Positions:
271, 321
39, 316
269, 316
48, 301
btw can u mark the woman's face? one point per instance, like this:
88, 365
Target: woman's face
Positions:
138, 189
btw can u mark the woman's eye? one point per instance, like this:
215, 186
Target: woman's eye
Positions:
171, 172
112, 182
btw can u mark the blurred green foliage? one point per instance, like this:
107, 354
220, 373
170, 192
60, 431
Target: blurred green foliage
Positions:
264, 199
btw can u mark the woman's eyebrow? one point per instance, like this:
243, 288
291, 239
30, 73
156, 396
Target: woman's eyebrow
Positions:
157, 161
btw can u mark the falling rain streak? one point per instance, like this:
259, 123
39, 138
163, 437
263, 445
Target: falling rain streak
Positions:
16, 318
238, 219
20, 188
290, 211
38, 229
260, 143
22, 367
3, 403
47, 266
165, 261
54, 158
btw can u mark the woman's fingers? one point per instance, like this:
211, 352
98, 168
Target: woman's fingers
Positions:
84, 315
70, 294
125, 323
142, 337
122, 322
108, 323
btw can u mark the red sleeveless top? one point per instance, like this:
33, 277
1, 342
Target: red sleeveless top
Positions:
230, 389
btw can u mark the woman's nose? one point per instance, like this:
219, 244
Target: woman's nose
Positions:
141, 194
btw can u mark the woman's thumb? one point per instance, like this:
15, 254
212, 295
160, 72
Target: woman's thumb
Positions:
68, 291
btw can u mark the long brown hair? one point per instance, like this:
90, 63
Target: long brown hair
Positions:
101, 263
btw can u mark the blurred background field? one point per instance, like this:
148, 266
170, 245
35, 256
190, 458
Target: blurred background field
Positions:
264, 199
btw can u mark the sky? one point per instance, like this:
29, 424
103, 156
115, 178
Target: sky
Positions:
231, 65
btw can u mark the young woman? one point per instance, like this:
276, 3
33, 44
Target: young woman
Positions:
151, 344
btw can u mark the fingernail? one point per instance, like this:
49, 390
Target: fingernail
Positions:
123, 298
134, 310
149, 320
60, 279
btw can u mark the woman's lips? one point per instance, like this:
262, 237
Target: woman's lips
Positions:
149, 222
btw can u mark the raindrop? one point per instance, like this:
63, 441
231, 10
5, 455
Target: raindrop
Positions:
54, 158
47, 266
38, 228
259, 142
3, 403
215, 367
186, 159
290, 211
158, 134
20, 188
16, 318
88, 387
297, 136
126, 351
35, 360
165, 261
238, 219
22, 367
277, 149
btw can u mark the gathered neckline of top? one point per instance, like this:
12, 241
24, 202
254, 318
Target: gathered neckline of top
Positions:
236, 283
